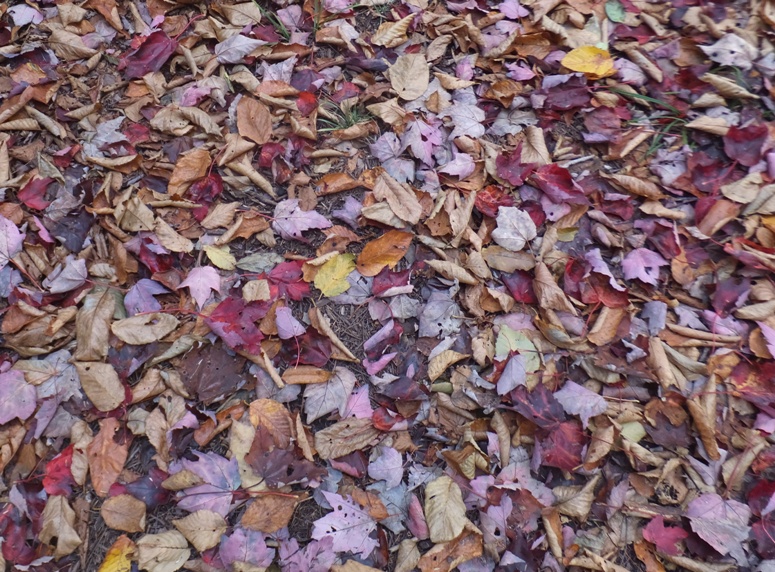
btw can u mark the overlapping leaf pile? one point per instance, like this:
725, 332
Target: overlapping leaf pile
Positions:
468, 285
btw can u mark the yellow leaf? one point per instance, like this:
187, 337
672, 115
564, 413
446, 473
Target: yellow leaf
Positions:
221, 257
119, 556
594, 62
331, 279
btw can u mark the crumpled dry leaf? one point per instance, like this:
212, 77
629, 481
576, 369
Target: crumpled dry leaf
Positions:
145, 328
344, 437
445, 511
59, 522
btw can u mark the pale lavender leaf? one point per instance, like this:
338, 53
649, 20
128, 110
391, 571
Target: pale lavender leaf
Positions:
23, 15
232, 50
359, 404
287, 326
290, 221
349, 212
466, 120
644, 265
513, 10
374, 367
578, 400
323, 398
514, 375
68, 277
461, 166
495, 523
17, 397
317, 556
349, 525
201, 282
388, 466
721, 523
11, 240
247, 546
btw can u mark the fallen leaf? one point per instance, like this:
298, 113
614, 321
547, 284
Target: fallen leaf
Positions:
164, 552
124, 512
144, 329
383, 252
106, 457
445, 512
254, 120
202, 528
594, 62
101, 384
119, 556
58, 522
331, 279
410, 76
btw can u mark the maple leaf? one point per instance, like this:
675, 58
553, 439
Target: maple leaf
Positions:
248, 546
17, 397
578, 400
721, 523
644, 265
220, 477
290, 221
234, 321
348, 525
201, 282
140, 298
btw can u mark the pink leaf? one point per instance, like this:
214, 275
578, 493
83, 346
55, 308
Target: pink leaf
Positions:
287, 326
246, 546
664, 537
201, 282
388, 467
349, 525
10, 240
721, 523
578, 400
290, 221
17, 397
643, 264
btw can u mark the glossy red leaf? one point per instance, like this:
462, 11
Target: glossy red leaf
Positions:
490, 198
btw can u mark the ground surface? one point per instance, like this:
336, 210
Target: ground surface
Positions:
394, 285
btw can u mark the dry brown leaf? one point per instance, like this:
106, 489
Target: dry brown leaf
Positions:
727, 87
190, 167
170, 239
59, 523
69, 46
106, 457
401, 198
273, 417
270, 512
202, 528
92, 326
439, 364
124, 512
447, 556
387, 250
445, 511
575, 501
101, 384
164, 552
254, 121
548, 293
409, 76
144, 328
344, 437
305, 374
452, 271
637, 186
392, 34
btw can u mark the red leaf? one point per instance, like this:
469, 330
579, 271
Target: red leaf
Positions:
539, 406
306, 103
285, 279
33, 194
520, 286
744, 144
234, 321
149, 57
388, 279
563, 446
490, 198
309, 349
558, 185
204, 192
664, 537
58, 479
511, 168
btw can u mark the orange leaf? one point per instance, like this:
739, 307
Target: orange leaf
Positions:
596, 63
387, 250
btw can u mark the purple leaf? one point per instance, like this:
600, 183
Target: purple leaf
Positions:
349, 525
149, 56
317, 556
220, 476
17, 397
140, 297
350, 212
10, 240
247, 546
388, 467
578, 400
290, 221
643, 264
64, 279
721, 523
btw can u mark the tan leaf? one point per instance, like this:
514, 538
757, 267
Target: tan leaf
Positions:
409, 76
144, 328
202, 528
637, 186
201, 119
101, 384
408, 555
273, 417
439, 364
575, 501
727, 87
389, 111
392, 34
715, 125
534, 149
124, 512
59, 523
134, 216
106, 457
445, 511
387, 250
254, 120
548, 293
221, 215
165, 552
170, 239
92, 326
401, 198
182, 480
271, 511
344, 437
305, 374
352, 566
744, 190
190, 167
499, 258
256, 290
69, 46
452, 271
720, 214
446, 556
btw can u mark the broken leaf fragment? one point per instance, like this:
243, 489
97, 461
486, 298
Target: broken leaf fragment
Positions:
594, 62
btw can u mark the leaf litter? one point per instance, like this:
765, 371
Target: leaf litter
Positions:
396, 285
